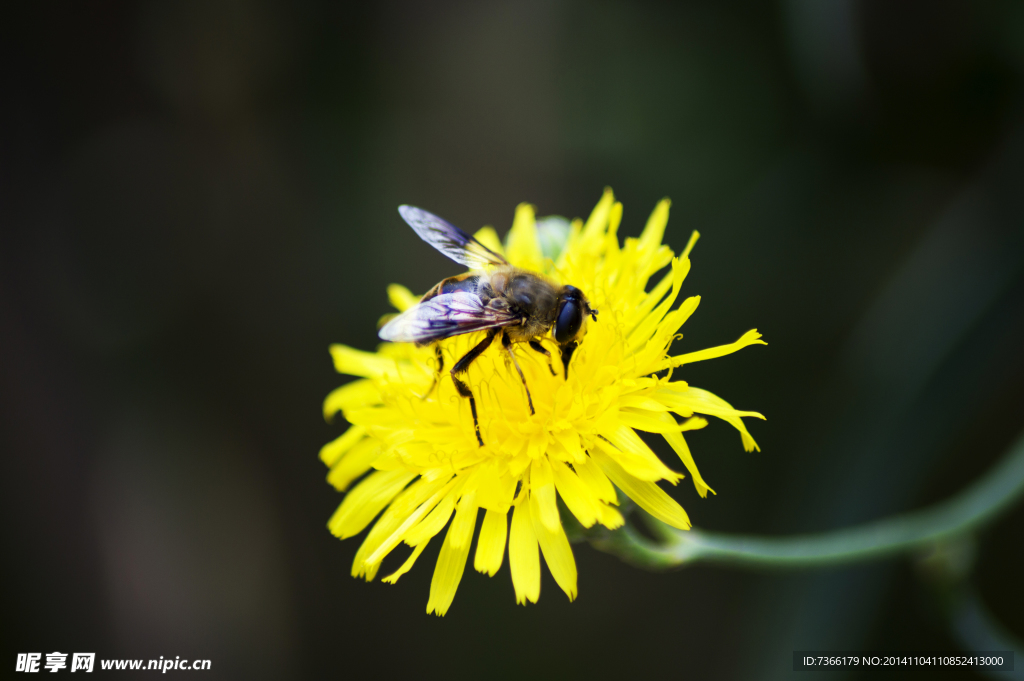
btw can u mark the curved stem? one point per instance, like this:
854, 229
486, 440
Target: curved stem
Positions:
978, 504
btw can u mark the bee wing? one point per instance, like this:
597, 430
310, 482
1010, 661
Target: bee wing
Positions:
443, 316
449, 239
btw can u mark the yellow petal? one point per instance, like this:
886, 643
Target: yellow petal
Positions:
433, 523
355, 394
542, 487
614, 218
374, 416
572, 242
639, 336
649, 302
557, 552
397, 527
407, 565
578, 497
452, 560
592, 476
401, 298
332, 451
678, 443
401, 509
488, 237
693, 423
610, 517
653, 232
369, 498
626, 447
690, 244
356, 462
641, 401
523, 555
358, 363
751, 337
647, 495
570, 441
495, 490
685, 400
651, 358
490, 545
523, 247
649, 421
597, 223
465, 520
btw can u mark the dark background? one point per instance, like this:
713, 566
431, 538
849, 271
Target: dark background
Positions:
197, 198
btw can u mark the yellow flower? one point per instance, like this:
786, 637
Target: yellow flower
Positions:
419, 453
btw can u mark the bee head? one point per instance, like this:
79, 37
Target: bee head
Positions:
573, 310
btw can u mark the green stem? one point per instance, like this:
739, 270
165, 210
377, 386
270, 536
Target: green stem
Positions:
975, 506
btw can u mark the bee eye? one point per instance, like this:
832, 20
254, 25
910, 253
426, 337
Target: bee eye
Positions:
568, 323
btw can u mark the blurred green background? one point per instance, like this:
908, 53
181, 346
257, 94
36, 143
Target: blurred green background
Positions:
197, 198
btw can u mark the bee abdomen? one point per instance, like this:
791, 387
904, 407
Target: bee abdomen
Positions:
466, 283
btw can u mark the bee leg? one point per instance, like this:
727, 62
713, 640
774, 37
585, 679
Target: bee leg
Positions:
567, 351
461, 366
544, 351
506, 342
437, 374
466, 392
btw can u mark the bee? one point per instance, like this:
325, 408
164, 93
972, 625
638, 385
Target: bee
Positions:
511, 304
